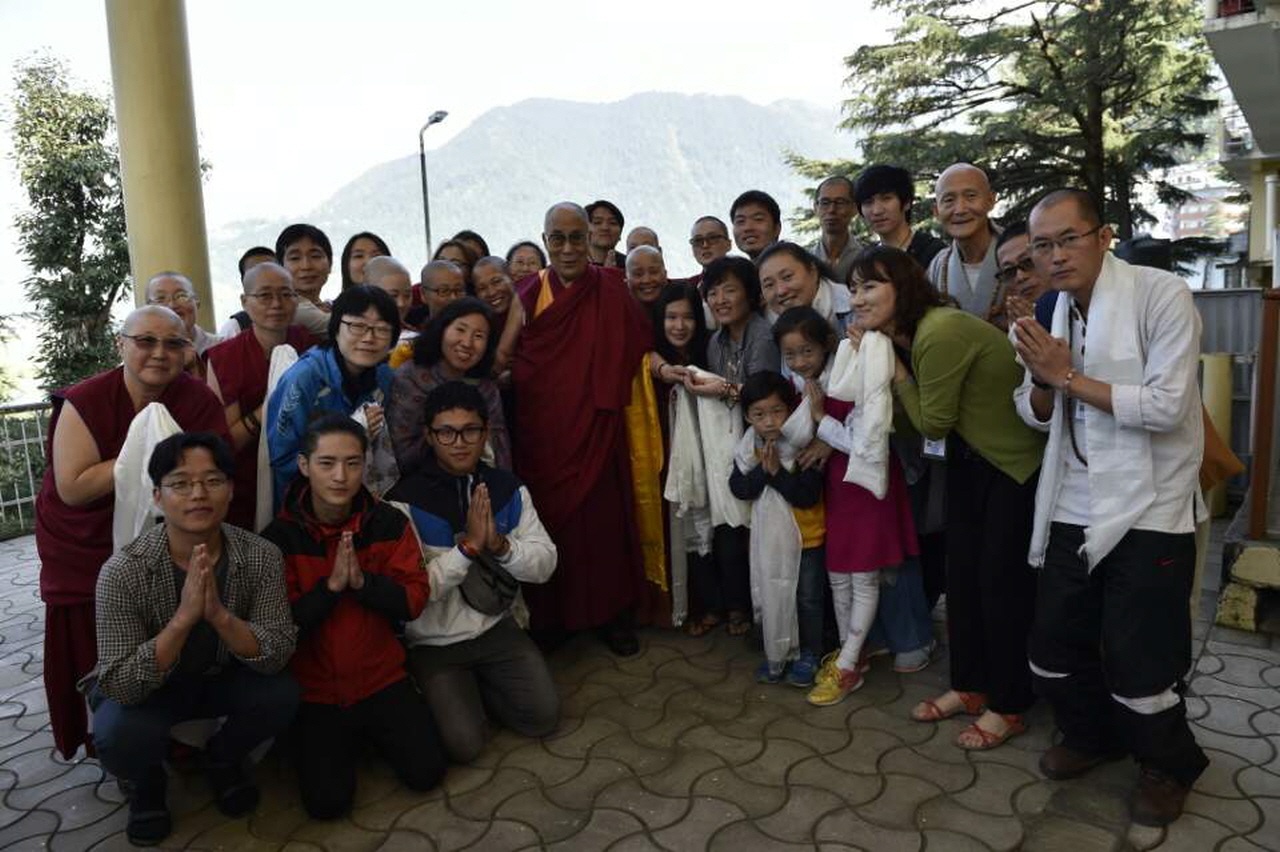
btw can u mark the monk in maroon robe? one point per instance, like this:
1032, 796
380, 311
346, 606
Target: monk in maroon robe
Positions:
75, 505
237, 373
578, 352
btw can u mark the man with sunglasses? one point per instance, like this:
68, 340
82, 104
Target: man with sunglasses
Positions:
75, 506
193, 623
709, 240
579, 351
1016, 274
1114, 383
237, 372
481, 536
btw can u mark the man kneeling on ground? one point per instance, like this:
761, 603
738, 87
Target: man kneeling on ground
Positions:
192, 623
354, 572
483, 537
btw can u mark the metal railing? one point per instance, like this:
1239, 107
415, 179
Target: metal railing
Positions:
22, 461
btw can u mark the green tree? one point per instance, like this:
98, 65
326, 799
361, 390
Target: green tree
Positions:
1095, 93
72, 235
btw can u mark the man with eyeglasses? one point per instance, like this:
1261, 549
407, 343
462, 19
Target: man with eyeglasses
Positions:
578, 354
1114, 383
193, 623
75, 506
175, 291
1016, 274
442, 282
834, 206
709, 240
481, 537
966, 270
238, 369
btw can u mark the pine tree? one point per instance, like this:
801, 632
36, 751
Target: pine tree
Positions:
72, 236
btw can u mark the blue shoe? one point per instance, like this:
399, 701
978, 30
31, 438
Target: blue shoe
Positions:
803, 670
768, 672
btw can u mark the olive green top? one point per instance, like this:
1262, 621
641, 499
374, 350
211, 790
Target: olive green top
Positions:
965, 375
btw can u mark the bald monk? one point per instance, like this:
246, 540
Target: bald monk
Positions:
966, 270
642, 236
574, 365
392, 277
646, 274
237, 373
75, 505
442, 281
175, 291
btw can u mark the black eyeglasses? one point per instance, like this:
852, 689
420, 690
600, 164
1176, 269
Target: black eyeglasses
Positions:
707, 241
147, 341
1005, 274
448, 436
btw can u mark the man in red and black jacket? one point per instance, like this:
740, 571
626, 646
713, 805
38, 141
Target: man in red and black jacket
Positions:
353, 570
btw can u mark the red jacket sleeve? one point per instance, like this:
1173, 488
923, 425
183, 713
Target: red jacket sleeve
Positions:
404, 565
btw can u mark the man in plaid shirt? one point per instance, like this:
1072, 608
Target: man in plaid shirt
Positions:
193, 622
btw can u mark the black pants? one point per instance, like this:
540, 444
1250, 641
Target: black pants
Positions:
722, 583
990, 586
1122, 629
395, 719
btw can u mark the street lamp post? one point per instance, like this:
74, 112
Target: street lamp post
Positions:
435, 118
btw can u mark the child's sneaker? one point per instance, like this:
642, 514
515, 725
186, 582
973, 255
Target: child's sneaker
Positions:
909, 662
803, 670
827, 668
828, 692
768, 672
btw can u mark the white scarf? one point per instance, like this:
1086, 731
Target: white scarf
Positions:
832, 301
135, 510
776, 542
689, 521
862, 376
720, 428
283, 357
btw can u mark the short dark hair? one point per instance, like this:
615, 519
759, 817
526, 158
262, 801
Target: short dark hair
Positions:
739, 267
357, 299
608, 205
167, 454
681, 292
466, 252
454, 394
293, 233
1017, 229
350, 246
253, 252
709, 218
542, 255
332, 423
798, 253
428, 347
464, 234
809, 323
760, 197
879, 178
1090, 209
914, 296
763, 384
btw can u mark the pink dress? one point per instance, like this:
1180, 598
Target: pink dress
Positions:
863, 533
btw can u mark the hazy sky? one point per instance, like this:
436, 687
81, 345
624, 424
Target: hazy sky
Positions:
296, 97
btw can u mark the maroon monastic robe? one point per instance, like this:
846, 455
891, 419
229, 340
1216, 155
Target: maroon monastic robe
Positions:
73, 542
572, 374
242, 367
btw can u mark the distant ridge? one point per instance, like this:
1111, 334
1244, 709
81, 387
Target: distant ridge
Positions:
664, 158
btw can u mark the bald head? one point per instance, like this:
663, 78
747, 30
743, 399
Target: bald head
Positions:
266, 273
161, 278
642, 236
643, 254
963, 202
154, 318
565, 212
646, 273
962, 173
377, 268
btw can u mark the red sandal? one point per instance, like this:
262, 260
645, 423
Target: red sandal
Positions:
986, 739
929, 710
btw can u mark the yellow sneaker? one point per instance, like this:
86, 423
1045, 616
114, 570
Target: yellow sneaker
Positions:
827, 669
833, 691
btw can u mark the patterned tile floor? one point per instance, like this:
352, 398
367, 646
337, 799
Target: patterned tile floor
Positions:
678, 749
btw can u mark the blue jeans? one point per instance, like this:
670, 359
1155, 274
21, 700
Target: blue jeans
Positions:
903, 622
133, 739
811, 591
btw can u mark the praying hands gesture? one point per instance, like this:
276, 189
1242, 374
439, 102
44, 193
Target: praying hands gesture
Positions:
768, 456
346, 572
482, 532
1047, 357
817, 400
193, 603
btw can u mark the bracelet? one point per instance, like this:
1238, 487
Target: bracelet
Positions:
1066, 383
467, 549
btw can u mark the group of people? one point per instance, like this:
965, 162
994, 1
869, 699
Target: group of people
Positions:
804, 446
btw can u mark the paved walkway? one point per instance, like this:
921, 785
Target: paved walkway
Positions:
678, 749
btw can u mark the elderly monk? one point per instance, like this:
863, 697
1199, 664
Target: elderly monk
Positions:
238, 369
75, 505
966, 269
392, 277
642, 236
577, 356
176, 292
646, 274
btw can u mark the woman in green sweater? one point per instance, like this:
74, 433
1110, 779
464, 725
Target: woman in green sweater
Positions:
953, 382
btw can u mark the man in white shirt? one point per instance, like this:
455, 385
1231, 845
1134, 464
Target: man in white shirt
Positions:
966, 270
1116, 505
481, 538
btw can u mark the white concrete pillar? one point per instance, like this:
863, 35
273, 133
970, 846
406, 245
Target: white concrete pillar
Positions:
159, 160
1272, 201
